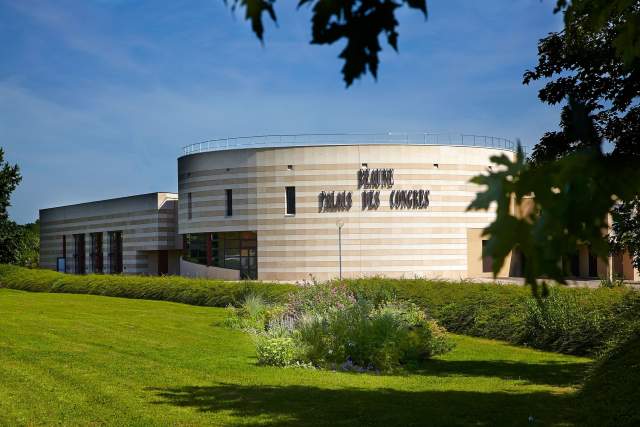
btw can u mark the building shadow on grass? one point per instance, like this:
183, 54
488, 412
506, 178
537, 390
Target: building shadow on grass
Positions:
312, 406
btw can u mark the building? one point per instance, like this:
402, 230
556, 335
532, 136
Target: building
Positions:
297, 207
131, 235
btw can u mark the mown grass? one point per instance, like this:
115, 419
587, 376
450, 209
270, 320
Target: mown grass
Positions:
91, 360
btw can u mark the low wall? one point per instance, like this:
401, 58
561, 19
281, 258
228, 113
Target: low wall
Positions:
190, 269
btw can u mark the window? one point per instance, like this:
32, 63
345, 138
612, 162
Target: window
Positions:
61, 262
78, 253
234, 250
189, 206
487, 260
197, 248
229, 202
96, 252
291, 200
115, 252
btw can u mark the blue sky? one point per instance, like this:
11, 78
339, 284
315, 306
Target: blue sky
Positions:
98, 96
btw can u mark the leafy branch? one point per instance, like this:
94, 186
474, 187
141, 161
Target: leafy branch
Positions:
359, 22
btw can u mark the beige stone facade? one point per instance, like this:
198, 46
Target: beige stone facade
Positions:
401, 210
441, 240
146, 223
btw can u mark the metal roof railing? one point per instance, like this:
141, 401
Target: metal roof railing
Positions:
301, 140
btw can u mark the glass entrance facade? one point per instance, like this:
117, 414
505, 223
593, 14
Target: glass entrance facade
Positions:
236, 250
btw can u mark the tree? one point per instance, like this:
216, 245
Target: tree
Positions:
359, 22
12, 236
587, 169
9, 180
625, 233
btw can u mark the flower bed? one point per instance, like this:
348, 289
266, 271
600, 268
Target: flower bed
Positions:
330, 326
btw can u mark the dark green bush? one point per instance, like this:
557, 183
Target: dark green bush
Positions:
576, 321
213, 293
611, 392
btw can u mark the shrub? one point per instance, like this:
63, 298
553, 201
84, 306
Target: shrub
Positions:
251, 315
276, 351
608, 283
564, 323
612, 390
319, 299
328, 326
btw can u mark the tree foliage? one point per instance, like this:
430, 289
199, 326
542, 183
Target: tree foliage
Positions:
19, 244
596, 15
9, 180
358, 22
586, 66
625, 232
579, 174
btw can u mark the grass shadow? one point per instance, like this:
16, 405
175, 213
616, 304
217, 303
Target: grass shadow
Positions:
304, 405
557, 374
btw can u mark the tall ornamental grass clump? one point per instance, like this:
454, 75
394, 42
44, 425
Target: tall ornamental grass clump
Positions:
330, 326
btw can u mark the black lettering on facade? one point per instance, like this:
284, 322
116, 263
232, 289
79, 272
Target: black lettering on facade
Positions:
375, 178
370, 200
332, 201
409, 199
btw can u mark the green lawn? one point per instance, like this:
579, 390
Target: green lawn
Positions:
91, 360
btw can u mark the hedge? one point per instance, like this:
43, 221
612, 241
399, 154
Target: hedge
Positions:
611, 392
214, 293
576, 321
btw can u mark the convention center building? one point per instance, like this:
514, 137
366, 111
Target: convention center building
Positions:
301, 207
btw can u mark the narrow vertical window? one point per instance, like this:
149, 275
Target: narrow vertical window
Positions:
291, 200
487, 260
229, 202
189, 206
61, 262
96, 253
209, 248
115, 252
78, 253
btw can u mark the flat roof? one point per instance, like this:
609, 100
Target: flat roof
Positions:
328, 139
171, 194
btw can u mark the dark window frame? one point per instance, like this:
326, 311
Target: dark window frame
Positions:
228, 207
115, 252
79, 264
189, 206
290, 200
97, 255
